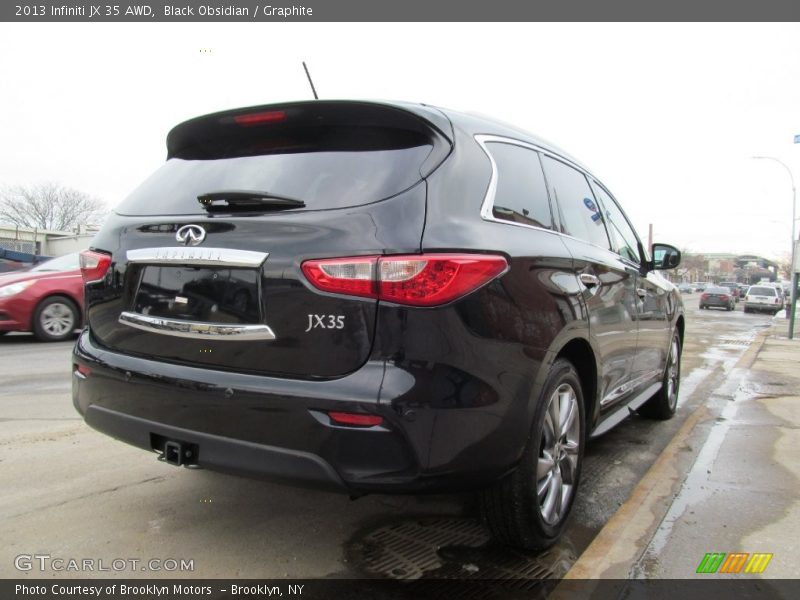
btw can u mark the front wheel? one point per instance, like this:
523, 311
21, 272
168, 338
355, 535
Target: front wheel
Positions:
529, 508
55, 319
663, 404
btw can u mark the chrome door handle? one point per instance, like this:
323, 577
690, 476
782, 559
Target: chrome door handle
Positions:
589, 280
195, 329
641, 292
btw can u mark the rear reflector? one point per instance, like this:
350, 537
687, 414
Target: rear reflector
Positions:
356, 419
81, 370
94, 265
416, 280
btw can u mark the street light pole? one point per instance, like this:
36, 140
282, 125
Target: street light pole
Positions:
793, 301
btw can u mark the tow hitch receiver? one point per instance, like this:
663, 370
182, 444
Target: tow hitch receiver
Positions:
179, 454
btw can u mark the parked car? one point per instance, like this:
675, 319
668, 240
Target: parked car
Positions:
425, 286
46, 299
685, 288
717, 297
763, 298
733, 287
700, 286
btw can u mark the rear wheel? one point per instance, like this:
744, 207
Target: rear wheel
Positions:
55, 319
529, 507
663, 404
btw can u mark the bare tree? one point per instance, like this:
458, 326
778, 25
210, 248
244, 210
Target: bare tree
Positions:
49, 206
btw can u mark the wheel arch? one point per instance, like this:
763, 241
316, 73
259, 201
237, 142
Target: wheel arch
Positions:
579, 352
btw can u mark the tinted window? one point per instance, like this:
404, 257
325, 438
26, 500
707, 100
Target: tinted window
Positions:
623, 239
579, 213
758, 290
521, 194
324, 169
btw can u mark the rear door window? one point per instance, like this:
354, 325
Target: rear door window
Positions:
580, 215
521, 194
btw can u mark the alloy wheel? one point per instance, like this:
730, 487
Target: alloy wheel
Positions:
556, 472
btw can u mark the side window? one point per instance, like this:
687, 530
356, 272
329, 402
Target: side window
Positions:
623, 238
580, 215
521, 195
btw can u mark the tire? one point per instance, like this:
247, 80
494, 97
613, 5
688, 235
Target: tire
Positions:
55, 319
747, 310
663, 404
529, 508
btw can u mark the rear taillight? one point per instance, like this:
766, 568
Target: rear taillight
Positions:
724, 297
704, 296
416, 280
94, 265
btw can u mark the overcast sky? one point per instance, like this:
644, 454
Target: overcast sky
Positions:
667, 115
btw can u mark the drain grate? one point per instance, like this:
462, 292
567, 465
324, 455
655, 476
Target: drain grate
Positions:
419, 552
409, 549
736, 341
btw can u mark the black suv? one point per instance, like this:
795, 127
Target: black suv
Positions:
377, 297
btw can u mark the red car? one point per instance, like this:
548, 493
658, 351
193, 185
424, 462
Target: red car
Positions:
46, 299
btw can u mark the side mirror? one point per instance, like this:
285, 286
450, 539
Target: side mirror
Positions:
665, 257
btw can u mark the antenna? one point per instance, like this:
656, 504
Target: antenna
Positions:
310, 82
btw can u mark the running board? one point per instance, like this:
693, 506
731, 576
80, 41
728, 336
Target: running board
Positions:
624, 411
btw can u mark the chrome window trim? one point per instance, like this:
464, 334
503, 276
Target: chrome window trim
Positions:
223, 257
195, 329
488, 200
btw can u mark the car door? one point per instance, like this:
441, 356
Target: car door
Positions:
652, 298
608, 281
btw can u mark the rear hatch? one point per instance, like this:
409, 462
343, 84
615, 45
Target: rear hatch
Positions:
207, 252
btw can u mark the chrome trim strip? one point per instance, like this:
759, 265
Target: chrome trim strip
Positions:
196, 330
488, 200
224, 257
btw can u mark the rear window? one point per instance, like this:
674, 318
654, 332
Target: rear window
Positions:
758, 290
718, 290
325, 167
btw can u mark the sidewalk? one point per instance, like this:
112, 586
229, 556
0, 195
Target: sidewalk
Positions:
741, 494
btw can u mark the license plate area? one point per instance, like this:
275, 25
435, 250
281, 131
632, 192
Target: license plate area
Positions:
200, 294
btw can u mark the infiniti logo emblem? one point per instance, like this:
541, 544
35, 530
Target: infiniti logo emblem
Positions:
190, 235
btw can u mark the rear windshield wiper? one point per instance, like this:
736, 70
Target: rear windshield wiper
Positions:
247, 200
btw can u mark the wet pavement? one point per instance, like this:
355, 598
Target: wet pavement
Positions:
722, 501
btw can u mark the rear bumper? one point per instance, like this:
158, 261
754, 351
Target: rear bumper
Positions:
218, 453
762, 307
275, 428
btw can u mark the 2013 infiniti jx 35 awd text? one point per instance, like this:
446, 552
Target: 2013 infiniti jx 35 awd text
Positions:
377, 297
